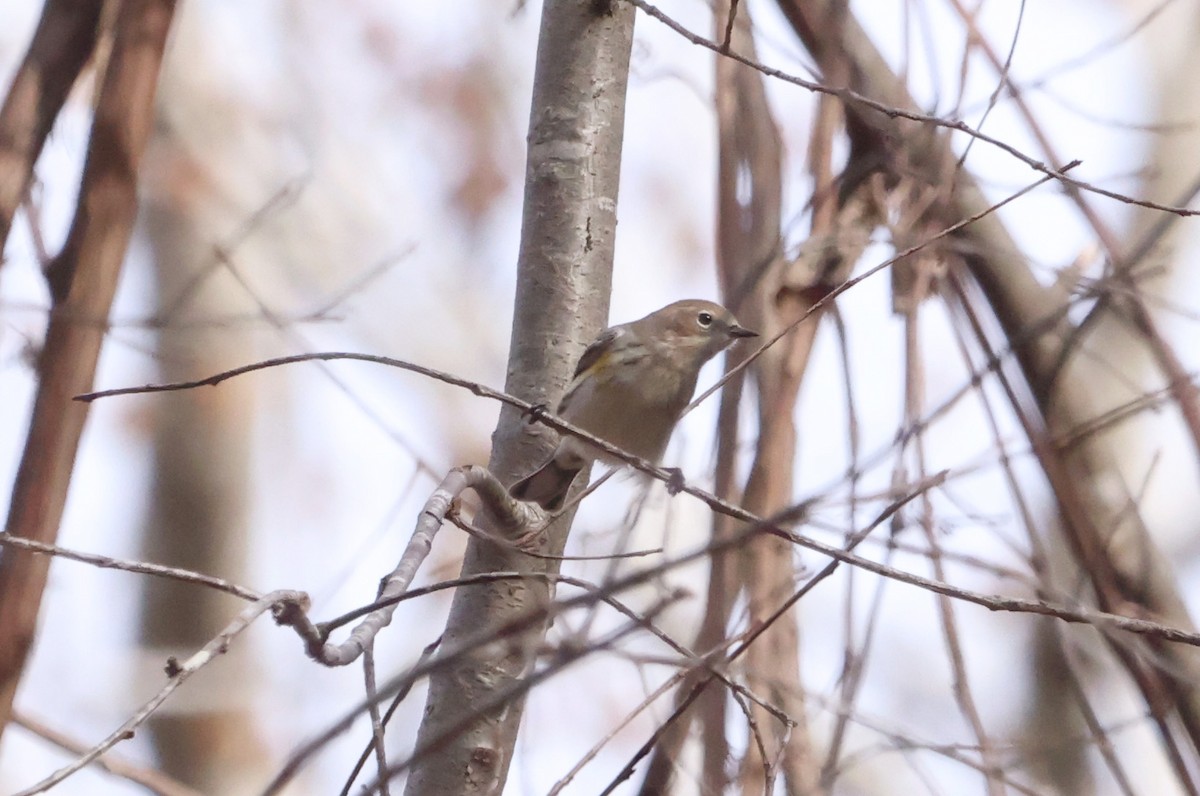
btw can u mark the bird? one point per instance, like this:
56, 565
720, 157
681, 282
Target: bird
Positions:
630, 388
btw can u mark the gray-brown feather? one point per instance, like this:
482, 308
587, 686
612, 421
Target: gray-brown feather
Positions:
626, 410
630, 388
547, 485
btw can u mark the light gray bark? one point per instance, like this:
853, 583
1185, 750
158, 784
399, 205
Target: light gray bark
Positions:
564, 280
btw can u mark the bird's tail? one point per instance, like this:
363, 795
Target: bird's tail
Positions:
547, 486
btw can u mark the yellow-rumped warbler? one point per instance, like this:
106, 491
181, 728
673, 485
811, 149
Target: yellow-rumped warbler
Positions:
630, 388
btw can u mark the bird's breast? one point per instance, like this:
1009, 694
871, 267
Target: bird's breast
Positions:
635, 409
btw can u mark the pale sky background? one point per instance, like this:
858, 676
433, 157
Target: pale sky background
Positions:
347, 99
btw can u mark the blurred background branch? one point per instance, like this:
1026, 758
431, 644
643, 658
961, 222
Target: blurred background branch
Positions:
1006, 419
82, 279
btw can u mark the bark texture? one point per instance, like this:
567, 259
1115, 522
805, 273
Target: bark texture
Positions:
563, 285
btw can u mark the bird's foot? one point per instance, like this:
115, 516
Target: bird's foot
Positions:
535, 413
675, 483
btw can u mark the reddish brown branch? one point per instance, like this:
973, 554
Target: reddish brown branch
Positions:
1100, 520
61, 46
1126, 301
152, 780
83, 278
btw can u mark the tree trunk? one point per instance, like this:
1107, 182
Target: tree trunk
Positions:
198, 515
563, 284
83, 279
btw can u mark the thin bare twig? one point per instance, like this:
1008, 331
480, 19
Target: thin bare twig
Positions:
154, 781
426, 655
180, 672
511, 514
128, 565
758, 524
894, 112
405, 680
377, 736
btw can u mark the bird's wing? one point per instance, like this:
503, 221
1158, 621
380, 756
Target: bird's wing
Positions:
594, 354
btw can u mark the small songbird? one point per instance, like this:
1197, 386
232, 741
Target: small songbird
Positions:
630, 389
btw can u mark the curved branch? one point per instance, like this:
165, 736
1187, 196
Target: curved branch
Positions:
508, 513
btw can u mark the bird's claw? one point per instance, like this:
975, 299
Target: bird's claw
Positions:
675, 483
535, 413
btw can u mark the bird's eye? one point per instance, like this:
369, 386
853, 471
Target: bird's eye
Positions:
705, 319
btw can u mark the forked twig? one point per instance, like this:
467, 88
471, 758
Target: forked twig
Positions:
178, 673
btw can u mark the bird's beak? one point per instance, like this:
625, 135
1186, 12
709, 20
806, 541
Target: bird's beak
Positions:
736, 331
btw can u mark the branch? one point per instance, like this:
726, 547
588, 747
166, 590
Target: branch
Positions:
486, 637
758, 525
82, 280
61, 46
901, 111
509, 513
154, 781
564, 279
1100, 518
178, 674
514, 692
136, 567
533, 413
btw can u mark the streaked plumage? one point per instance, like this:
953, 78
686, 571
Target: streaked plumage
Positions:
630, 388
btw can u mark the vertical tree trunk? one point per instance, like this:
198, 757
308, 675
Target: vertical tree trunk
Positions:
563, 284
83, 279
198, 512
